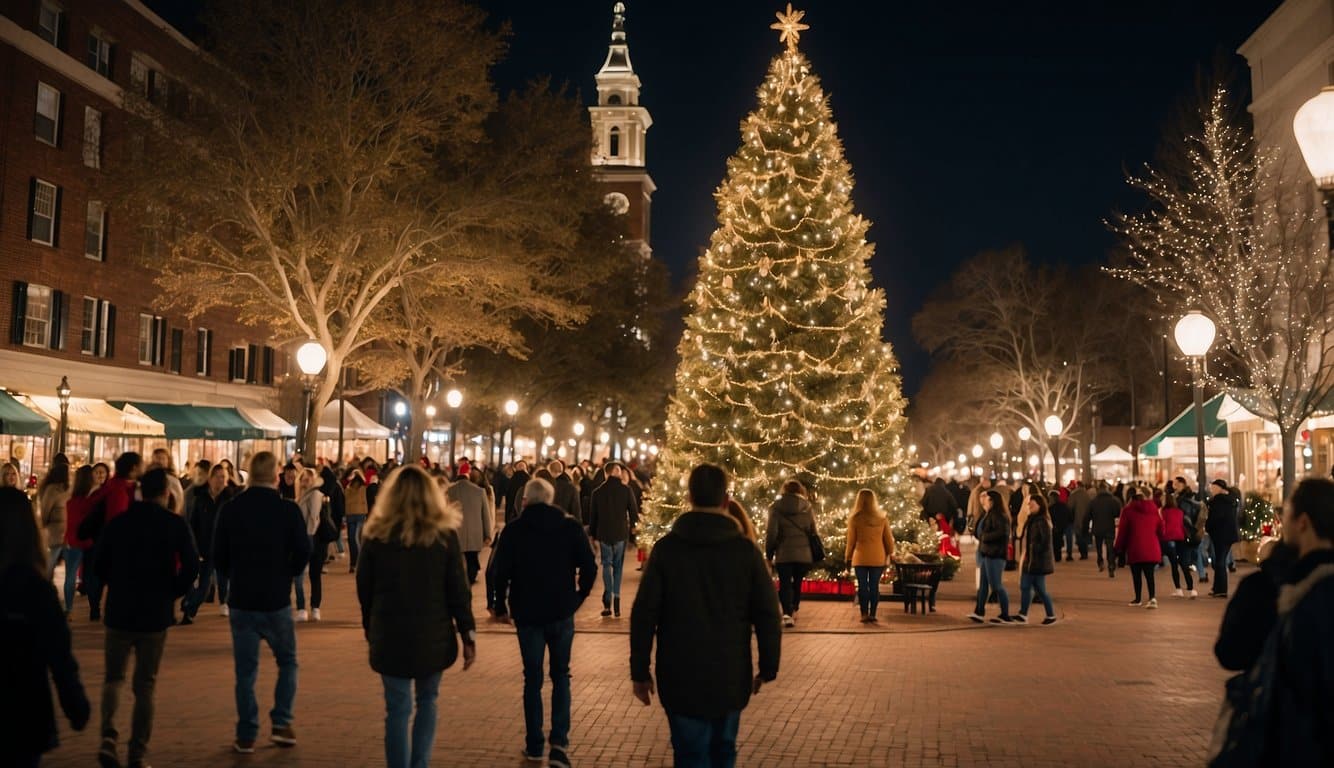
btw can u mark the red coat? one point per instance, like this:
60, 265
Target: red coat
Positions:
1140, 532
118, 493
1174, 524
76, 509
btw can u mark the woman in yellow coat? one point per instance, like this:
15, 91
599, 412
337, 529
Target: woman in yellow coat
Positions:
870, 547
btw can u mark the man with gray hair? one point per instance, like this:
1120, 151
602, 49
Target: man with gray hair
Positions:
536, 564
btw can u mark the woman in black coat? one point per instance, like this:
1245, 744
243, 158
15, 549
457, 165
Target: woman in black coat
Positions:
414, 593
1039, 559
34, 642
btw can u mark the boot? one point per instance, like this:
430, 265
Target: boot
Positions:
866, 617
616, 607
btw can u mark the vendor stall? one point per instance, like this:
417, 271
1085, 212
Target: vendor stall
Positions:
362, 435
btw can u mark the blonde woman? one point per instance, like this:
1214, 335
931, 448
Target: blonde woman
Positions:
310, 498
870, 547
414, 595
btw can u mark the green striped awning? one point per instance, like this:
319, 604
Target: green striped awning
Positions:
18, 419
1184, 426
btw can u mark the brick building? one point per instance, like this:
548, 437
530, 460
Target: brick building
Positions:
76, 300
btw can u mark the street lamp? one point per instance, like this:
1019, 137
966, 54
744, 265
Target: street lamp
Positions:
1053, 426
545, 420
62, 392
1314, 127
996, 441
310, 358
1025, 434
1195, 334
454, 399
578, 438
511, 410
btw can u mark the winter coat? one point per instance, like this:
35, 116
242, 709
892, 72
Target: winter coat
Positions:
870, 542
204, 517
478, 516
537, 563
705, 589
567, 498
993, 534
1301, 726
35, 644
1079, 503
514, 495
938, 501
1061, 517
260, 544
1039, 555
147, 559
1140, 533
334, 492
1103, 511
1252, 613
355, 501
51, 505
412, 601
1174, 524
1222, 523
311, 502
612, 512
787, 534
76, 510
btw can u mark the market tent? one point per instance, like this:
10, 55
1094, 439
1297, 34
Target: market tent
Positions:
1184, 426
16, 419
1112, 454
268, 422
196, 422
356, 425
98, 417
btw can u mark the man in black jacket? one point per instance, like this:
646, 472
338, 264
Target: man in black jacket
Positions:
205, 501
613, 514
567, 495
260, 546
719, 591
537, 562
147, 559
1223, 524
1103, 511
514, 491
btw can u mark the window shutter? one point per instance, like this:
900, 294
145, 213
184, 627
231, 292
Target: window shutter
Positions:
111, 332
60, 121
20, 313
32, 199
199, 355
106, 221
62, 32
159, 340
231, 364
267, 378
177, 341
97, 327
55, 221
252, 364
57, 320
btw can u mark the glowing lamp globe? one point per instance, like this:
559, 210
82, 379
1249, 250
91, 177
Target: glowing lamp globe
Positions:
977, 451
630, 443
454, 398
578, 429
604, 437
1033, 461
1194, 334
1025, 433
545, 420
996, 441
311, 357
430, 411
1314, 128
400, 408
1053, 425
511, 407
963, 459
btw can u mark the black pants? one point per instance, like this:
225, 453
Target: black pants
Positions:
147, 649
1221, 550
789, 585
491, 578
1103, 545
1180, 556
474, 566
1143, 571
92, 586
319, 554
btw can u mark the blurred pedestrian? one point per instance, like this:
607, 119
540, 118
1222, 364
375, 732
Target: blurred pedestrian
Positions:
477, 518
613, 516
208, 501
787, 544
870, 548
52, 495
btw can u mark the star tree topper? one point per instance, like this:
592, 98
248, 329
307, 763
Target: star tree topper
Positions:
789, 26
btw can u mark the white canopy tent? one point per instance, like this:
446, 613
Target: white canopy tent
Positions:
1112, 454
274, 426
97, 417
356, 425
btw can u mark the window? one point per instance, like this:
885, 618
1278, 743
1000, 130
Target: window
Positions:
177, 341
615, 98
203, 352
236, 364
159, 89
88, 334
92, 138
152, 339
615, 143
139, 75
48, 114
37, 317
50, 20
99, 55
94, 238
98, 319
43, 210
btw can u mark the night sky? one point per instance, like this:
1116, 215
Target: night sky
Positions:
969, 125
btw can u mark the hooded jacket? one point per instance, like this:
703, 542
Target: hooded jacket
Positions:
536, 565
787, 534
1039, 555
1103, 510
1140, 533
705, 588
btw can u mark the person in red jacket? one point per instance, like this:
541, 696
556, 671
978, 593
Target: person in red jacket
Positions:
1138, 537
1175, 547
108, 502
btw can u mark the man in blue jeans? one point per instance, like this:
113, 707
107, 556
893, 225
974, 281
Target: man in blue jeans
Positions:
613, 514
536, 565
260, 546
719, 590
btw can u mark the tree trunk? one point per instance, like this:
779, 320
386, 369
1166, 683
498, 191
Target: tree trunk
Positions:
1289, 460
319, 398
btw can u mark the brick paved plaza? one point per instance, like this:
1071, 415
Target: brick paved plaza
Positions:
1108, 686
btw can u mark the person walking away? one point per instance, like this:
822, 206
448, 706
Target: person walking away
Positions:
332, 490
111, 499
1039, 560
76, 547
357, 498
161, 459
476, 523
1080, 502
1224, 529
514, 490
567, 493
787, 545
993, 537
147, 560
207, 501
1253, 610
743, 521
613, 516
1175, 547
52, 495
260, 546
199, 474
414, 596
1138, 539
870, 548
544, 571
1062, 527
311, 501
705, 589
1104, 509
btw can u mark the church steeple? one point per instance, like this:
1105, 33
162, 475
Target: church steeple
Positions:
618, 53
620, 124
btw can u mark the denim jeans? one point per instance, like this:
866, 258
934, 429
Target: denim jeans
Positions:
699, 742
557, 638
1029, 583
1177, 553
993, 569
73, 557
1068, 536
52, 556
1222, 553
207, 577
398, 698
147, 648
613, 558
1103, 546
299, 583
868, 587
354, 523
790, 576
276, 629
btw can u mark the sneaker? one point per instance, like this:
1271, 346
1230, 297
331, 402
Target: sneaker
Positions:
1135, 603
283, 736
1153, 603
874, 620
606, 612
536, 759
315, 614
1049, 621
1019, 618
1192, 594
975, 616
788, 622
1003, 620
224, 610
1178, 593
557, 758
244, 746
301, 615
106, 755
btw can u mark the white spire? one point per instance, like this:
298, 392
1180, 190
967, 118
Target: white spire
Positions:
618, 53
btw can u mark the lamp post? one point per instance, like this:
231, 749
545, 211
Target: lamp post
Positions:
604, 437
578, 437
996, 442
1025, 434
1314, 127
63, 392
511, 410
545, 420
1195, 334
400, 412
1053, 426
310, 358
454, 399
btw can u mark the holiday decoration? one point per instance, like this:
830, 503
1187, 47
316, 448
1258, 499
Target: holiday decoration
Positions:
783, 372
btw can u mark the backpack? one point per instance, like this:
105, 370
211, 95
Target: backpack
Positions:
326, 532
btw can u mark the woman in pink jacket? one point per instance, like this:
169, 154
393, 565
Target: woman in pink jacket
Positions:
1139, 538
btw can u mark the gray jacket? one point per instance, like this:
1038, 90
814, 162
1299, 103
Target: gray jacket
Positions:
791, 524
478, 515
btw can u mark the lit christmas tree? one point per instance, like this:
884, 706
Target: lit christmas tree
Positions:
783, 371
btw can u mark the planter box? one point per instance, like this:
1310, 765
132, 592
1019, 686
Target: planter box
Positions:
826, 589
